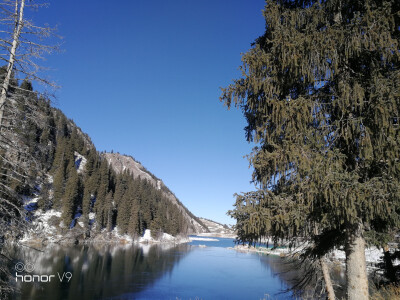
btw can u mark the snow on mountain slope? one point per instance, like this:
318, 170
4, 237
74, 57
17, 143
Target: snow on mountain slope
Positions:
80, 162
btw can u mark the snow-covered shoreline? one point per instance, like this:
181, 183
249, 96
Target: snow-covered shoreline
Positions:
103, 237
218, 235
47, 229
269, 251
372, 255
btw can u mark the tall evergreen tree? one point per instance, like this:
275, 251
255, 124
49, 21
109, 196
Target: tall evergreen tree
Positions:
109, 211
320, 92
124, 212
63, 164
71, 197
88, 196
101, 194
45, 201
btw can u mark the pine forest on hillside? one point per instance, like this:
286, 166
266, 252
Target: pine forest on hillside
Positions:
131, 204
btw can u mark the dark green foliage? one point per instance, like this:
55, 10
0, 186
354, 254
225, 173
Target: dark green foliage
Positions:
109, 211
92, 160
71, 197
87, 199
124, 212
45, 202
320, 92
135, 225
144, 207
101, 206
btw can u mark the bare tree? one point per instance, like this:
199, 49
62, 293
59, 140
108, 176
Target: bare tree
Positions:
21, 44
21, 49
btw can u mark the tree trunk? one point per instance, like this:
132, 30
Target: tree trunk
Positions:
356, 271
17, 32
327, 279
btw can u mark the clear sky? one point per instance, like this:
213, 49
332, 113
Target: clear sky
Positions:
143, 78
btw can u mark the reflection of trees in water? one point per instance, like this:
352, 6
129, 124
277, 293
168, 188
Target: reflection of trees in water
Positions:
99, 271
292, 271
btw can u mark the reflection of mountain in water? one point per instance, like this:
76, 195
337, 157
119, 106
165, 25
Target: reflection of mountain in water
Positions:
99, 271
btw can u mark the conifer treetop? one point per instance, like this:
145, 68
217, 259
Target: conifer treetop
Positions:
320, 92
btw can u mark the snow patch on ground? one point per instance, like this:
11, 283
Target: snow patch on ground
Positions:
92, 217
162, 238
146, 238
41, 225
50, 178
28, 200
45, 216
372, 255
124, 238
276, 251
30, 203
80, 162
167, 237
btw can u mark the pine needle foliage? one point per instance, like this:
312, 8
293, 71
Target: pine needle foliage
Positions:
320, 90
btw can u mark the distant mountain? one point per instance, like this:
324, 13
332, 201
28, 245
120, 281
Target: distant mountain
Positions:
217, 229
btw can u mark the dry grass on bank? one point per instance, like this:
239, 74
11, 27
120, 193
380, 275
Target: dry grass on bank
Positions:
391, 292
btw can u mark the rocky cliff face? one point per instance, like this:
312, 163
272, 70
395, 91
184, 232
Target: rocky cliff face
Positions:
120, 163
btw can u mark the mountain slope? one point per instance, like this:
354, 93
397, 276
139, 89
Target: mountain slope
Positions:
121, 163
68, 181
217, 229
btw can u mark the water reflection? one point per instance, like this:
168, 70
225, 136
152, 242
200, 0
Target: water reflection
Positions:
155, 272
98, 271
217, 273
291, 271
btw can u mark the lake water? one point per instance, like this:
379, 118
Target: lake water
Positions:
185, 271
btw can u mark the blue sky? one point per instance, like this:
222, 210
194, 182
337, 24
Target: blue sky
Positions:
143, 78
